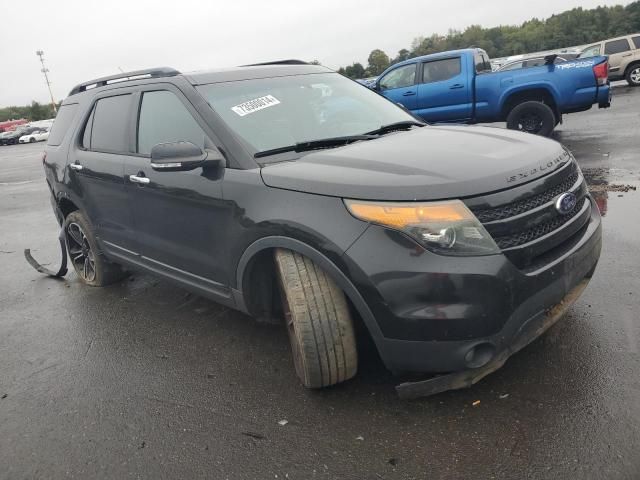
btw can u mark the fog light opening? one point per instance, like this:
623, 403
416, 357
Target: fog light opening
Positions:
479, 355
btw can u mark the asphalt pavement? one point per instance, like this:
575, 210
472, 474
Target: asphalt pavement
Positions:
144, 380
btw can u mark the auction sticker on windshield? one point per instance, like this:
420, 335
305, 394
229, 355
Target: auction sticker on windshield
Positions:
256, 104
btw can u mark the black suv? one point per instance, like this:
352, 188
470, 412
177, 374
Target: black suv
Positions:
285, 190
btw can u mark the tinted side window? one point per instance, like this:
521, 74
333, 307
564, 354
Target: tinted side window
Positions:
636, 41
616, 46
164, 118
482, 64
441, 70
399, 78
61, 124
110, 124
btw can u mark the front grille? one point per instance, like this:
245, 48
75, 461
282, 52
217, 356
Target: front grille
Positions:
520, 238
524, 222
522, 206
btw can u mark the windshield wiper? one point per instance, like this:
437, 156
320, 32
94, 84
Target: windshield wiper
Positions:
405, 125
316, 144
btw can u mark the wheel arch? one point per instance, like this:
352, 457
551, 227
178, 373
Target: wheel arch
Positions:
538, 93
262, 251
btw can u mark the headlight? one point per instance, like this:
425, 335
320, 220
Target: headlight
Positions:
448, 228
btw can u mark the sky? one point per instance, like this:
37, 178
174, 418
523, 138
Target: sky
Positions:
86, 39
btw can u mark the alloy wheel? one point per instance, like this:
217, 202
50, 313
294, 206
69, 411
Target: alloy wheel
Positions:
81, 253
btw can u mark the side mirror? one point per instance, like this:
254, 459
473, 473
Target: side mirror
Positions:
183, 156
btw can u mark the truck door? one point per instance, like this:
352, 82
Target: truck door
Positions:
620, 53
444, 90
399, 85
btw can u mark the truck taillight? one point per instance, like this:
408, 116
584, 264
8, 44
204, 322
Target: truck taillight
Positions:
601, 71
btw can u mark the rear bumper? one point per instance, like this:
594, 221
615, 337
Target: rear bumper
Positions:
456, 314
604, 96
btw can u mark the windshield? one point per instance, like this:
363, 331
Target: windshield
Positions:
271, 113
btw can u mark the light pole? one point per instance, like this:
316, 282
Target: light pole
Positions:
44, 70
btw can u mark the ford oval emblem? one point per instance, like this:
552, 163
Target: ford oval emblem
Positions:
566, 202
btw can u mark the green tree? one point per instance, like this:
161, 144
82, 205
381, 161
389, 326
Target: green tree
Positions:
355, 71
378, 62
571, 28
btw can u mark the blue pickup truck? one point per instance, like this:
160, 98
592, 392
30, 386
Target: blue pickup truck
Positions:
459, 86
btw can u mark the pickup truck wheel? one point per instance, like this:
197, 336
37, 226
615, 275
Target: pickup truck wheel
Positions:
633, 76
318, 322
85, 256
532, 117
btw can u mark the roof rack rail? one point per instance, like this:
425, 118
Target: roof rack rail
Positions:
291, 61
157, 72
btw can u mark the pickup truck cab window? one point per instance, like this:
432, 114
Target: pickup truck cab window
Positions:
616, 46
482, 63
163, 119
404, 76
441, 70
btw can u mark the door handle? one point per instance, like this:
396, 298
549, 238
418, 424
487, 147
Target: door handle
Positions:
75, 166
408, 94
627, 54
140, 180
456, 86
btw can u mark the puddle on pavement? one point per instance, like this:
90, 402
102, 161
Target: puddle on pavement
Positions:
617, 194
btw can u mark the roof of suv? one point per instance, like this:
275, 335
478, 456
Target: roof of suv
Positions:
247, 72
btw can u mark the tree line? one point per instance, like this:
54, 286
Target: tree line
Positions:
570, 28
33, 112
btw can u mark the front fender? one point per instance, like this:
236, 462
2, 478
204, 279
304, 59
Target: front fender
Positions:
330, 267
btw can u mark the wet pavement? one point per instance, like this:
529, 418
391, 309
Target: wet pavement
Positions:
143, 380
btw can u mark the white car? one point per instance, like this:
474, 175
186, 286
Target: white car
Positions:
36, 136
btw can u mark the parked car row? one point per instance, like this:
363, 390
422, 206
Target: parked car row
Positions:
24, 134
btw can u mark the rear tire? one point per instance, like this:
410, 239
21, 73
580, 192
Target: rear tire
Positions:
633, 76
532, 117
87, 259
318, 320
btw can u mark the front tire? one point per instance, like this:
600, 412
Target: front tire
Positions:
532, 117
31, 140
87, 259
633, 76
318, 321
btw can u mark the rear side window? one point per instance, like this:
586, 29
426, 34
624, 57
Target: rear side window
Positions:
110, 124
441, 70
63, 120
616, 46
636, 41
164, 118
482, 63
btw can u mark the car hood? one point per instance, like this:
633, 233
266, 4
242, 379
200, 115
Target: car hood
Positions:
429, 163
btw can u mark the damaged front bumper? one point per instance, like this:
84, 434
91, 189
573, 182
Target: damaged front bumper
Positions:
528, 333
